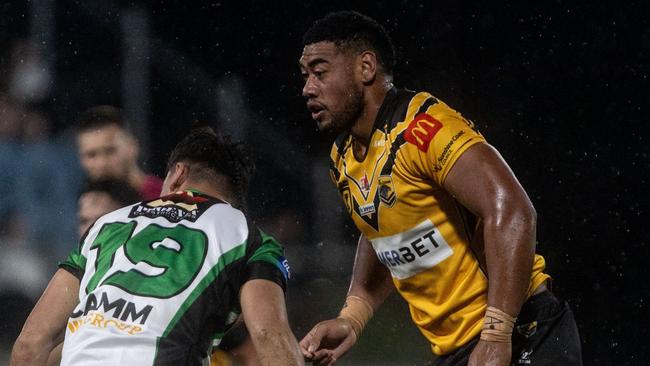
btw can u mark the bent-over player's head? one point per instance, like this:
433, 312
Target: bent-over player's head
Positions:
98, 198
205, 158
106, 149
344, 54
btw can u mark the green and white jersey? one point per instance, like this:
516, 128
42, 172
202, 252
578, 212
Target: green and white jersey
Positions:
159, 280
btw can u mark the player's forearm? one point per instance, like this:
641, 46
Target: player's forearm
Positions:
30, 351
371, 280
510, 250
276, 346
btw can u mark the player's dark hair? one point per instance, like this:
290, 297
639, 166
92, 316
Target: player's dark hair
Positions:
216, 154
350, 29
119, 191
99, 116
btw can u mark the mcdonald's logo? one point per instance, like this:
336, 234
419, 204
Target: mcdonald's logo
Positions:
421, 131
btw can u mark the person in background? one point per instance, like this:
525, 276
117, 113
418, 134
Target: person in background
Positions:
98, 198
107, 150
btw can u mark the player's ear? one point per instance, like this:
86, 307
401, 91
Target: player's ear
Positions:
368, 66
179, 176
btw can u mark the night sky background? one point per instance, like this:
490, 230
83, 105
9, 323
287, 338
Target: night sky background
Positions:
560, 89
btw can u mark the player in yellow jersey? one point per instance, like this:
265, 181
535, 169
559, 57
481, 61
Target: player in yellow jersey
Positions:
441, 215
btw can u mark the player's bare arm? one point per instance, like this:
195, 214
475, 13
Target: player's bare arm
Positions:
45, 326
482, 181
265, 315
369, 287
55, 355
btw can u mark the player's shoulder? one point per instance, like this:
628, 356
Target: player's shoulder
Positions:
338, 149
120, 214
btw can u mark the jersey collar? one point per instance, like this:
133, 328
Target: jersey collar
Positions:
383, 117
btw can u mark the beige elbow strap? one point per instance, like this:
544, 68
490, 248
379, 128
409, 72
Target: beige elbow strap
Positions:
358, 311
497, 326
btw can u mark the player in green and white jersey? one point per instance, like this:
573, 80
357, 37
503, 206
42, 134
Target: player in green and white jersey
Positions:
156, 282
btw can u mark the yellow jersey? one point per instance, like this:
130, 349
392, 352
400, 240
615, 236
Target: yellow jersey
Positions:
417, 229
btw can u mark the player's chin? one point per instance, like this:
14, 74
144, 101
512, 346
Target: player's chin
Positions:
324, 124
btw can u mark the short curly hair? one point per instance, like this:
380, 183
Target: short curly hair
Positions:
119, 191
213, 154
353, 30
99, 116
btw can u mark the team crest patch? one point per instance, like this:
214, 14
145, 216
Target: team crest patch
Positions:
421, 131
387, 193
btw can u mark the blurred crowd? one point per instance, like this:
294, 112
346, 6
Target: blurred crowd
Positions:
54, 187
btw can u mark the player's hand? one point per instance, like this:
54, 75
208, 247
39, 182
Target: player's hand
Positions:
328, 341
490, 354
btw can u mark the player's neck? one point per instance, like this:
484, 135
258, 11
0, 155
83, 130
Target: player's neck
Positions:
209, 189
363, 128
136, 178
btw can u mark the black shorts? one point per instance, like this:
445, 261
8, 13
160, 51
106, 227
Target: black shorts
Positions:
545, 334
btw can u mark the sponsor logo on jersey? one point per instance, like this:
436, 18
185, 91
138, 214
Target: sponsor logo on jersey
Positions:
96, 319
124, 317
175, 207
421, 131
174, 212
524, 357
283, 264
367, 209
413, 251
122, 309
446, 152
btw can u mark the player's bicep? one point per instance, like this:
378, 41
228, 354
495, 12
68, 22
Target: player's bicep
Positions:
48, 319
483, 182
262, 302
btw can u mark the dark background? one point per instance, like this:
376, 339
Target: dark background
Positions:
560, 89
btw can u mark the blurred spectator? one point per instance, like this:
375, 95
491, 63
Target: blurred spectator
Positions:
38, 174
29, 79
108, 151
98, 198
22, 277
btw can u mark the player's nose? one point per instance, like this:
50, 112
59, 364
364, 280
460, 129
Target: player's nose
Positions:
309, 90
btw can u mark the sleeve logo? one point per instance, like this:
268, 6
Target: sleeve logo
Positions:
421, 131
283, 265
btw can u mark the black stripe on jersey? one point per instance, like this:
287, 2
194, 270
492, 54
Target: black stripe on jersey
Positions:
264, 271
398, 117
392, 111
188, 342
373, 219
73, 270
190, 339
334, 171
427, 103
258, 269
341, 142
